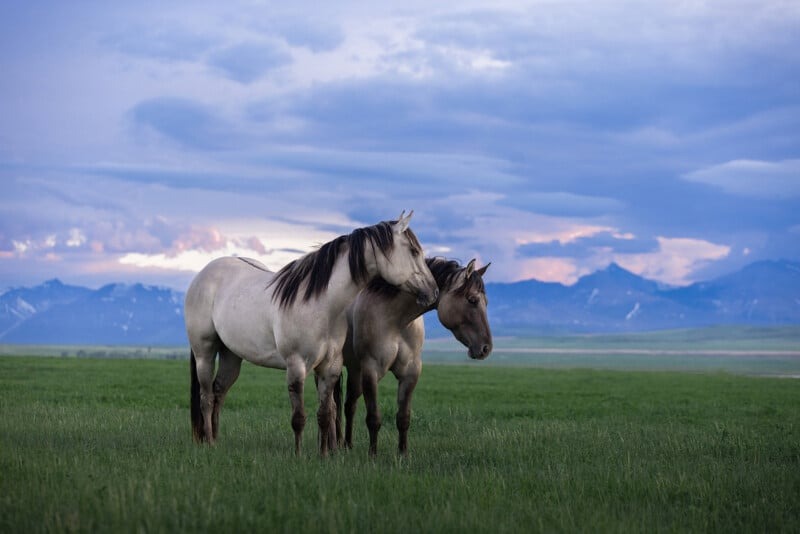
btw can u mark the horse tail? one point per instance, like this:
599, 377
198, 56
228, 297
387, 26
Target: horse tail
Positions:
194, 393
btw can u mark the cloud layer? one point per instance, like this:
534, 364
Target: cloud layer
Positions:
139, 141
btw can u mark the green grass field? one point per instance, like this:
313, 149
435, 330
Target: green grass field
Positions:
759, 351
104, 445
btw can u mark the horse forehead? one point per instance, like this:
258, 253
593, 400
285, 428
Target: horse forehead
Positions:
400, 240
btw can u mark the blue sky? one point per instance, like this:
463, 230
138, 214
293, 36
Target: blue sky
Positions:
139, 140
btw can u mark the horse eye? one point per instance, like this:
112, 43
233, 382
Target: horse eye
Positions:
414, 251
472, 299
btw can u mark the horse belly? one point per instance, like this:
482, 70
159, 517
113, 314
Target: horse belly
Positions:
273, 360
244, 327
252, 344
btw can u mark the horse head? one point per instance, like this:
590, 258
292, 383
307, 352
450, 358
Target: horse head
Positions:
462, 310
403, 264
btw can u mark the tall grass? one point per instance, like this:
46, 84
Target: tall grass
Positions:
104, 445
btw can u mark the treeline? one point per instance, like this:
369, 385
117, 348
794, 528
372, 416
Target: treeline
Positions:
97, 351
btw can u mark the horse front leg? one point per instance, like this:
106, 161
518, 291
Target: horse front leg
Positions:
369, 384
295, 378
326, 379
405, 390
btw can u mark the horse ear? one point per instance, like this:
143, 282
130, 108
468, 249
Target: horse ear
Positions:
402, 222
470, 268
482, 270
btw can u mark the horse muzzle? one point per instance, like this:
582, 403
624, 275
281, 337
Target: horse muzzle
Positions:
427, 298
426, 291
480, 351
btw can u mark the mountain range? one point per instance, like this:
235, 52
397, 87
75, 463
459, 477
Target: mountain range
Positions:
765, 293
610, 300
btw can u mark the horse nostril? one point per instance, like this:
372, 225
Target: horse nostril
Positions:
486, 349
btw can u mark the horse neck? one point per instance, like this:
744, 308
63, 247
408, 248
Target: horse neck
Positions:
342, 288
398, 309
402, 308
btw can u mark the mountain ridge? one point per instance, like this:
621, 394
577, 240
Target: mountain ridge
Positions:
616, 300
609, 300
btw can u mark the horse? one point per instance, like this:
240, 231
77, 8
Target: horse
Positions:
294, 319
386, 332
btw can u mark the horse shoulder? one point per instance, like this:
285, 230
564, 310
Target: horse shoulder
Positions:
375, 345
408, 362
414, 336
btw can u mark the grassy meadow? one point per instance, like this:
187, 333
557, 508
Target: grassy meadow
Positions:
104, 445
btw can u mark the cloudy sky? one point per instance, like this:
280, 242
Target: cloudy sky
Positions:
139, 140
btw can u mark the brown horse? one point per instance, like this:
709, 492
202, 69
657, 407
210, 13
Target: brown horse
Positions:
294, 319
386, 332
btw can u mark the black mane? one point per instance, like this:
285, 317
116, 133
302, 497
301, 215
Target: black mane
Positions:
444, 272
317, 266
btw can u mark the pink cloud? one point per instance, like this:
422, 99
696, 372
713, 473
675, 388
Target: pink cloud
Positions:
548, 269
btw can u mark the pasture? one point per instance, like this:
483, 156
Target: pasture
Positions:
105, 445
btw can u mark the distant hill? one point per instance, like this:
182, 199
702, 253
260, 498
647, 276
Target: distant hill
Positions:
611, 300
116, 314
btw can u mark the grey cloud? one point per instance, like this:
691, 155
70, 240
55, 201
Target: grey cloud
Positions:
186, 122
589, 246
165, 43
752, 178
249, 61
563, 204
317, 36
395, 171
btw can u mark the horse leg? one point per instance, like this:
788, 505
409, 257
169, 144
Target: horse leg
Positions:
337, 400
334, 432
202, 392
227, 373
326, 415
295, 378
405, 390
352, 395
369, 385
335, 440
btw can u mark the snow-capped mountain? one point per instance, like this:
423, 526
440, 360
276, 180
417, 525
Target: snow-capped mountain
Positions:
615, 300
611, 300
114, 314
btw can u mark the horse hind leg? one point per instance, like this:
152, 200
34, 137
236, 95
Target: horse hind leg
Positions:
227, 372
337, 400
352, 395
369, 382
405, 390
202, 393
198, 432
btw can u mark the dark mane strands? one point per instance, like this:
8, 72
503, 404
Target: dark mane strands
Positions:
443, 271
317, 266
